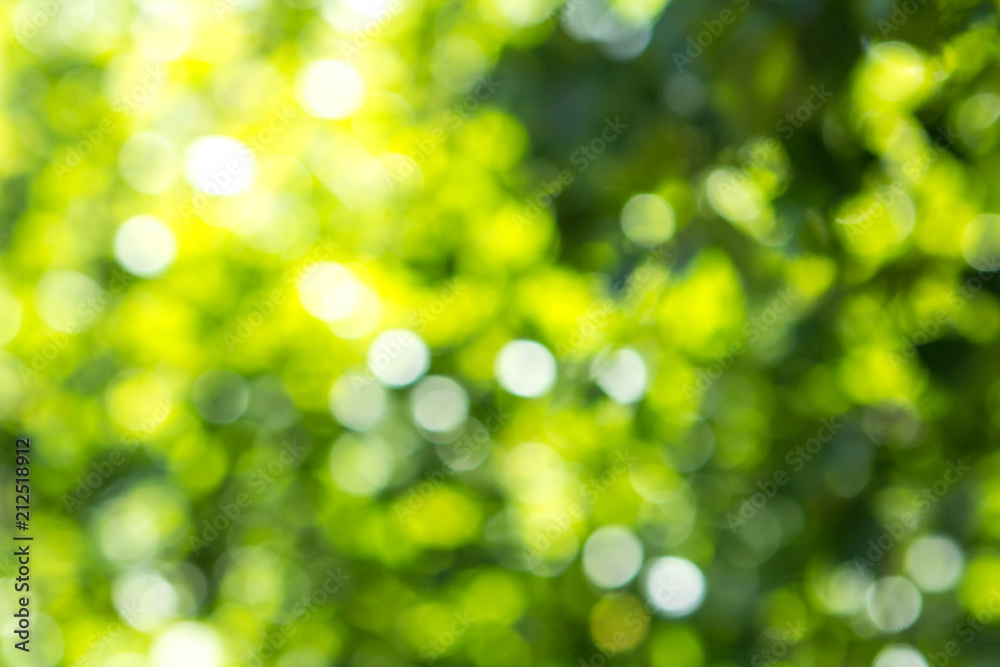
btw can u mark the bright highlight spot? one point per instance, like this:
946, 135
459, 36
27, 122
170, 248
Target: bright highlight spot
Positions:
439, 404
612, 557
220, 165
648, 220
372, 9
145, 246
356, 401
896, 71
525, 368
899, 655
674, 586
330, 89
189, 644
622, 376
144, 599
935, 563
329, 291
162, 31
893, 604
398, 357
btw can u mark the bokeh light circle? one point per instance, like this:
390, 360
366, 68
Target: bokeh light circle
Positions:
190, 644
934, 562
220, 397
439, 404
674, 587
330, 89
981, 242
612, 556
899, 655
220, 165
398, 357
145, 246
357, 401
894, 604
162, 31
622, 376
525, 368
648, 220
330, 292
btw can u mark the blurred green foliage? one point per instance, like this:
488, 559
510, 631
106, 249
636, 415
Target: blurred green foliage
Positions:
389, 333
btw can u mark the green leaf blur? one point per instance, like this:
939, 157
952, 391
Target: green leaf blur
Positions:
400, 333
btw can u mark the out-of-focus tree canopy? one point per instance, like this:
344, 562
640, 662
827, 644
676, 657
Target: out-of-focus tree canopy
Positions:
399, 333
